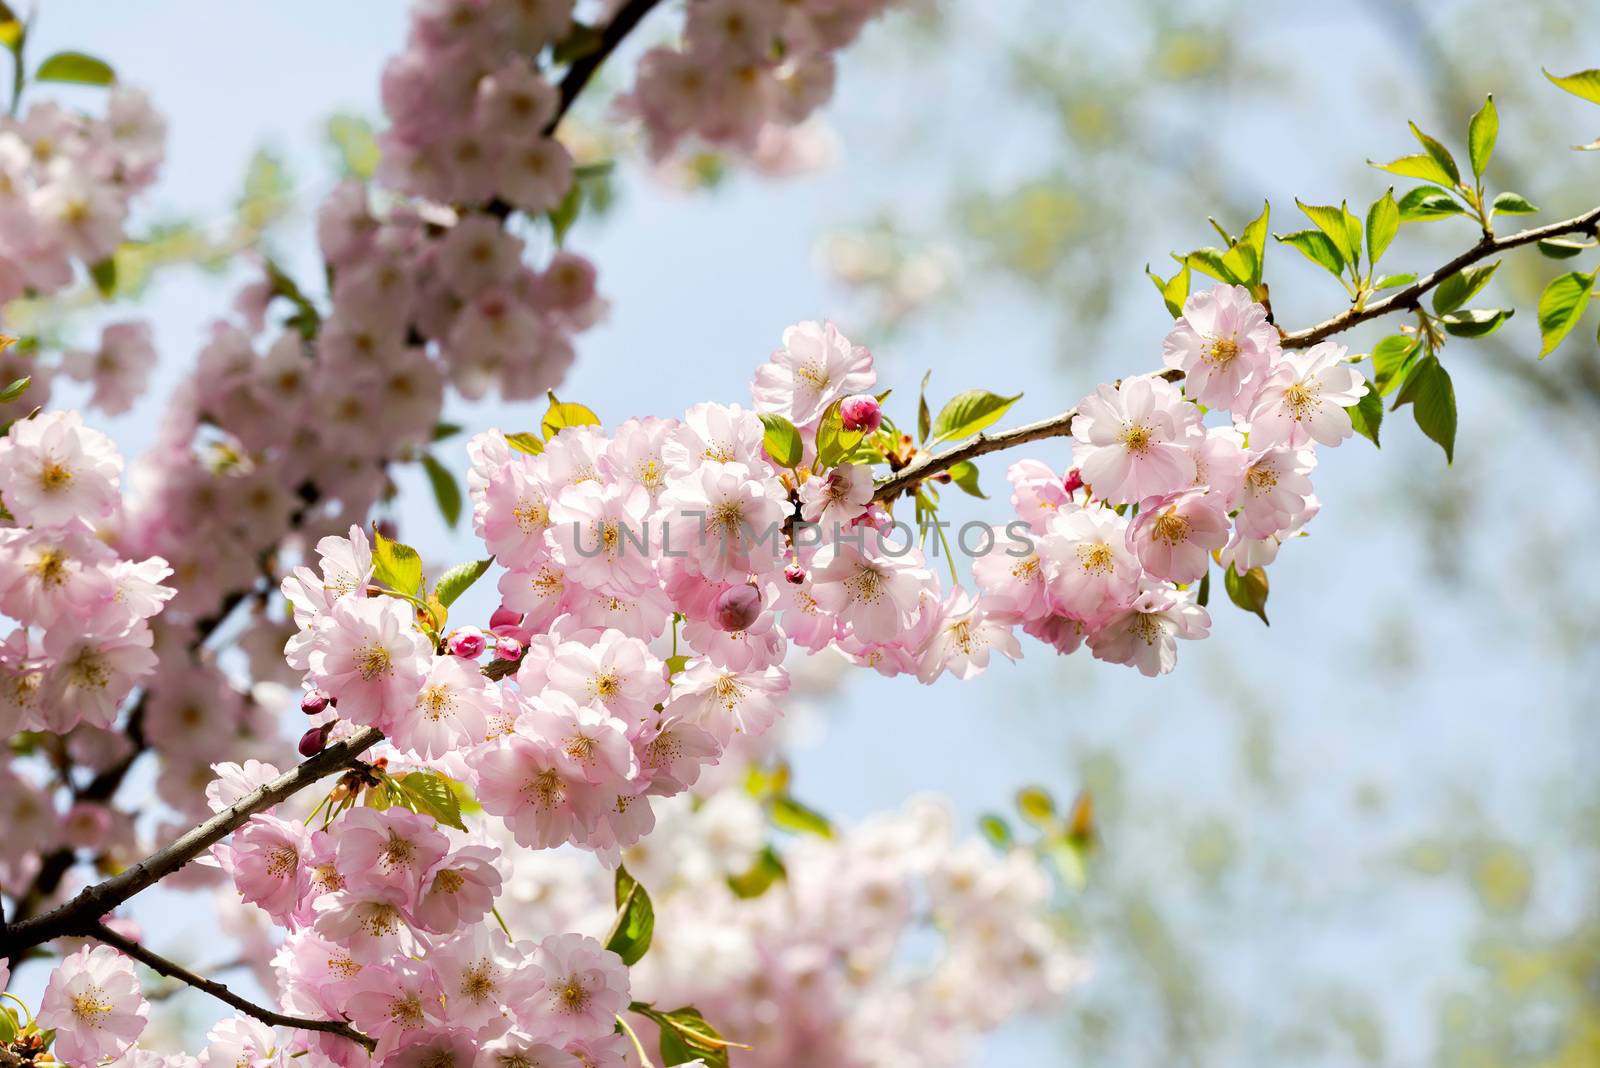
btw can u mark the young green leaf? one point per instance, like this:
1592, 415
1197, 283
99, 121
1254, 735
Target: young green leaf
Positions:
1036, 805
1476, 322
1333, 222
1366, 414
77, 68
1512, 204
996, 830
965, 475
1585, 83
1391, 359
445, 490
432, 793
636, 919
1383, 222
1417, 166
15, 389
1211, 261
523, 441
1253, 242
1432, 395
563, 414
924, 416
1316, 247
1248, 591
767, 870
1563, 248
1394, 281
442, 431
104, 276
1174, 291
1422, 204
686, 1037
782, 440
970, 412
791, 815
395, 565
1461, 287
1481, 135
834, 442
1438, 153
1561, 307
566, 213
453, 583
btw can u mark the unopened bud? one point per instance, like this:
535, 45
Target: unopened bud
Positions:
508, 649
795, 574
504, 619
861, 412
736, 608
312, 741
1073, 482
313, 702
467, 643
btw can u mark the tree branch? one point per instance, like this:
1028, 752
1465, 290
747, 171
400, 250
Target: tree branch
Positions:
583, 68
172, 970
95, 901
1060, 426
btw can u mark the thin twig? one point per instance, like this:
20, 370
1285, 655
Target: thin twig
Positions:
96, 901
1059, 426
172, 970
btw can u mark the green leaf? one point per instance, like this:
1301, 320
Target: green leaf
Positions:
791, 815
15, 389
9, 1025
1036, 805
523, 441
1394, 281
1210, 261
1366, 414
1253, 242
1512, 204
1462, 286
395, 565
1432, 395
1391, 359
969, 413
636, 919
1476, 322
686, 1037
924, 417
77, 68
996, 830
767, 870
1562, 306
1316, 247
1481, 134
782, 441
563, 414
1417, 166
1203, 596
834, 442
1333, 222
566, 213
12, 28
434, 795
453, 583
1422, 204
1248, 591
1563, 248
1174, 291
1585, 83
1383, 222
445, 490
1438, 153
965, 475
104, 276
441, 431
355, 144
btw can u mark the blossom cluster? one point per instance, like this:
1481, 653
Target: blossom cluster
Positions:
895, 942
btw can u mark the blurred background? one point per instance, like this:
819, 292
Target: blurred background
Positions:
1366, 834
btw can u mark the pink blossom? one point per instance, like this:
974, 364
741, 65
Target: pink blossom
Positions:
1087, 561
816, 366
962, 639
118, 369
585, 986
613, 670
486, 981
727, 518
370, 656
1145, 634
726, 702
1304, 399
526, 782
876, 594
1012, 577
56, 471
1175, 535
1277, 487
268, 861
390, 1002
93, 1002
1133, 440
93, 673
518, 1049
451, 710
1223, 344
388, 848
459, 889
838, 497
601, 536
1037, 492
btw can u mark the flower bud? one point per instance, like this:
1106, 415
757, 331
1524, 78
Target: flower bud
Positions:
312, 741
861, 412
736, 608
313, 702
508, 649
504, 619
1073, 482
467, 643
795, 574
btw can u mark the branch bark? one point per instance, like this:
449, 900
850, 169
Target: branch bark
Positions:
1060, 426
94, 902
172, 970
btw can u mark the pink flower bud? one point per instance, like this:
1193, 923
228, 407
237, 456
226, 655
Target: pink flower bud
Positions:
504, 619
313, 702
1073, 482
861, 412
795, 574
312, 741
467, 643
508, 649
737, 607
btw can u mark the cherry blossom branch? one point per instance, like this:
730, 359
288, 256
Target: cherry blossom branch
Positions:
83, 911
1409, 297
172, 970
1059, 426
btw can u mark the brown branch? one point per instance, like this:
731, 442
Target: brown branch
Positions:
1059, 426
95, 901
172, 970
1410, 296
